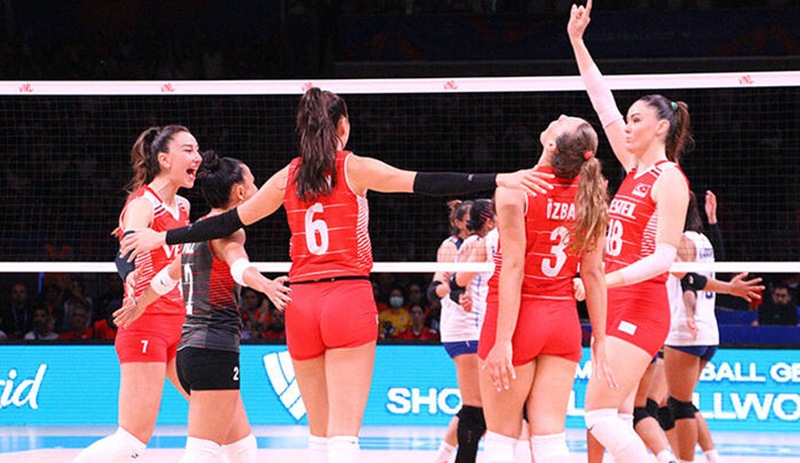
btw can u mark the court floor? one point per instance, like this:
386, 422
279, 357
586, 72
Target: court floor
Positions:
385, 444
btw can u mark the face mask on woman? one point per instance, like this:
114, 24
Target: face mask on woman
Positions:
396, 301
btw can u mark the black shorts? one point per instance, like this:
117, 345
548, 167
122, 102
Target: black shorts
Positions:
207, 369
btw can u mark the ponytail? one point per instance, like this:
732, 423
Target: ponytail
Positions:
458, 209
576, 156
318, 116
591, 208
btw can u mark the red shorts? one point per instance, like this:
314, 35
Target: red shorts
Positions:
151, 338
639, 314
330, 315
544, 327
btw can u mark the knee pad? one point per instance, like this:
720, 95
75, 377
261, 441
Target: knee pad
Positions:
639, 413
665, 418
610, 430
552, 447
680, 410
471, 426
652, 408
499, 448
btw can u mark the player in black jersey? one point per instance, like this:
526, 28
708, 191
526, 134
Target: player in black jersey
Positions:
211, 274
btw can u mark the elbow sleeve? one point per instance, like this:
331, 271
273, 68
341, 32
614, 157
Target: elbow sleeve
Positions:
693, 281
651, 266
218, 226
452, 183
600, 95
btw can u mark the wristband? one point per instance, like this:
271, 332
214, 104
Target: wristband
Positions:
162, 283
694, 281
431, 292
455, 290
124, 268
238, 268
451, 183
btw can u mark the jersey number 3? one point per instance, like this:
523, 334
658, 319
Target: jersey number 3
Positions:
551, 266
316, 231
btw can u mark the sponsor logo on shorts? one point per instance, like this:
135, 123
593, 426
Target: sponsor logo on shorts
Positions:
280, 372
627, 327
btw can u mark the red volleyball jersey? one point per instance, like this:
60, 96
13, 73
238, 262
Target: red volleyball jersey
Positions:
150, 263
549, 266
330, 235
633, 220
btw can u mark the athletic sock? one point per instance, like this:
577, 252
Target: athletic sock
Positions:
201, 451
120, 447
318, 449
242, 451
444, 453
343, 449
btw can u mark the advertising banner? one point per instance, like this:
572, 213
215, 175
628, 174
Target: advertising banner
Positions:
741, 390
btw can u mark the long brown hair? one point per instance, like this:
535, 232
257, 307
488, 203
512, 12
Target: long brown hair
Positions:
576, 156
458, 209
144, 154
318, 116
679, 137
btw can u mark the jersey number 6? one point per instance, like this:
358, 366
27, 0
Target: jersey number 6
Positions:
316, 228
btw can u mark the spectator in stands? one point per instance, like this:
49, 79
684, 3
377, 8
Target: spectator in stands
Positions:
43, 326
74, 296
396, 319
780, 310
417, 331
105, 328
255, 313
276, 329
17, 313
80, 325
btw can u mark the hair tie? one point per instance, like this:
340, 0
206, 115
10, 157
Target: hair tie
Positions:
588, 155
674, 105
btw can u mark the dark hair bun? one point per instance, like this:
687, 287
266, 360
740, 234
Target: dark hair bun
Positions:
209, 165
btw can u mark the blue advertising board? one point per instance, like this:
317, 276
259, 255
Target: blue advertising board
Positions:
741, 390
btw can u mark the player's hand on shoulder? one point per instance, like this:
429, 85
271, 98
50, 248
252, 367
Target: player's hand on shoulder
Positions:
531, 181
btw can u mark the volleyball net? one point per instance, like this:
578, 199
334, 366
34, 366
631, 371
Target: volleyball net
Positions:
66, 155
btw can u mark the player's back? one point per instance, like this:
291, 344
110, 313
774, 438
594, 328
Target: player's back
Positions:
330, 235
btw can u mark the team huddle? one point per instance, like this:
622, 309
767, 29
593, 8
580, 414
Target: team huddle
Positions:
514, 334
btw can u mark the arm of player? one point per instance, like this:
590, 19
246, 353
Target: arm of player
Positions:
510, 206
599, 93
231, 250
366, 173
267, 200
594, 284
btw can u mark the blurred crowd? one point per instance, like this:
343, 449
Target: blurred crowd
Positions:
63, 310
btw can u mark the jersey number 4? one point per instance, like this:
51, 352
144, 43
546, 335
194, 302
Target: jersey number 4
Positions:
316, 231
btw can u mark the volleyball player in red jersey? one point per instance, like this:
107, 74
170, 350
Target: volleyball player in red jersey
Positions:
164, 160
530, 343
645, 227
208, 353
331, 323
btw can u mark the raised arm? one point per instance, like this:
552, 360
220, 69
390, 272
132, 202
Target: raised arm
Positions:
511, 221
596, 86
